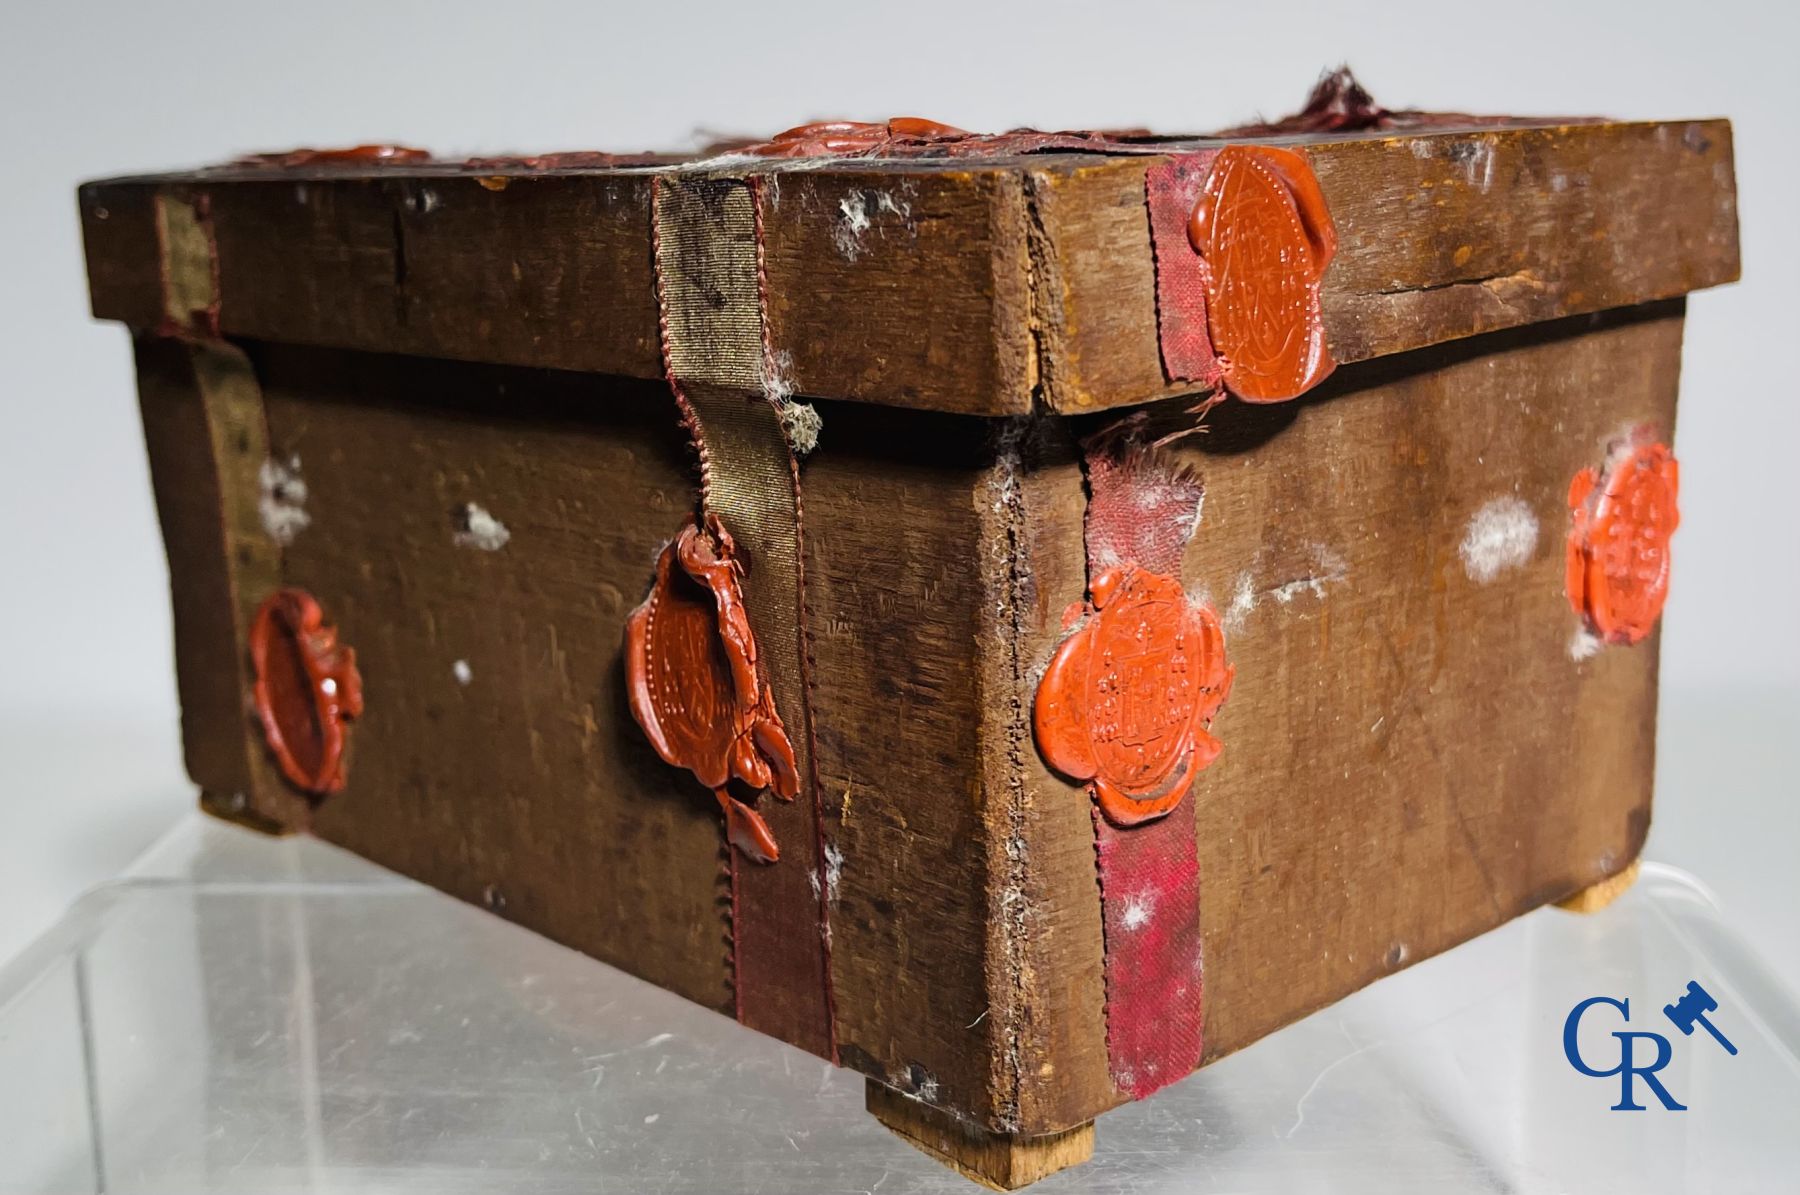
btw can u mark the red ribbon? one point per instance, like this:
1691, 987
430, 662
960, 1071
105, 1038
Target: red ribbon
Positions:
1171, 189
1141, 510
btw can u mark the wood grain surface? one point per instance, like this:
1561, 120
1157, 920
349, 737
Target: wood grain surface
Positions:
899, 577
203, 426
965, 286
528, 789
1439, 237
998, 1161
1413, 755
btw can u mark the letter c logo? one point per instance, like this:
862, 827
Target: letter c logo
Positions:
1572, 1048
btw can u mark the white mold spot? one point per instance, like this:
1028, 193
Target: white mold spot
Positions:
1584, 644
1328, 569
1477, 161
462, 672
778, 375
1487, 166
1243, 601
916, 1082
1502, 535
834, 870
853, 221
476, 528
857, 216
801, 423
1150, 498
1136, 914
282, 504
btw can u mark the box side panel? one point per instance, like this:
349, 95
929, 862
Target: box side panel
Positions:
884, 284
124, 259
1418, 745
542, 271
1439, 237
899, 586
903, 289
901, 282
1052, 944
496, 758
203, 423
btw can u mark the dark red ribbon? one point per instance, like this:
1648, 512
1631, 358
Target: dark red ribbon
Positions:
1141, 510
1171, 189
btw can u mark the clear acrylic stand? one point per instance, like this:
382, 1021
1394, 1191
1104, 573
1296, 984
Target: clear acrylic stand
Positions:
246, 1015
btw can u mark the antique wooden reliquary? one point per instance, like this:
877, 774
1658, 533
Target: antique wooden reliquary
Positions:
1021, 616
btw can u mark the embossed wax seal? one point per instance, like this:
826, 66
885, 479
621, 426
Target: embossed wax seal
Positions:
836, 138
1621, 519
696, 687
1127, 699
306, 688
1265, 237
354, 155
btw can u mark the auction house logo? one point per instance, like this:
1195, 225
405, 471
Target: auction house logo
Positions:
1643, 1061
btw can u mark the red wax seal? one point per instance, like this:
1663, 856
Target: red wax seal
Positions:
836, 138
1127, 699
354, 155
695, 685
1265, 238
1618, 550
306, 688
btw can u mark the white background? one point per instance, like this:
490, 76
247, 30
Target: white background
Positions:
89, 761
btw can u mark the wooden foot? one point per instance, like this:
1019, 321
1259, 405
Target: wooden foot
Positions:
995, 1160
1597, 896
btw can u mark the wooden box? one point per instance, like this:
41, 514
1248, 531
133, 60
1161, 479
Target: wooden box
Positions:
1095, 783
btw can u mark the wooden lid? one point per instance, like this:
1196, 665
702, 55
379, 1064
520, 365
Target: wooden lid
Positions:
974, 284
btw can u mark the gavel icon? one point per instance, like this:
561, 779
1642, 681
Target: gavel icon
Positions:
1691, 1009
